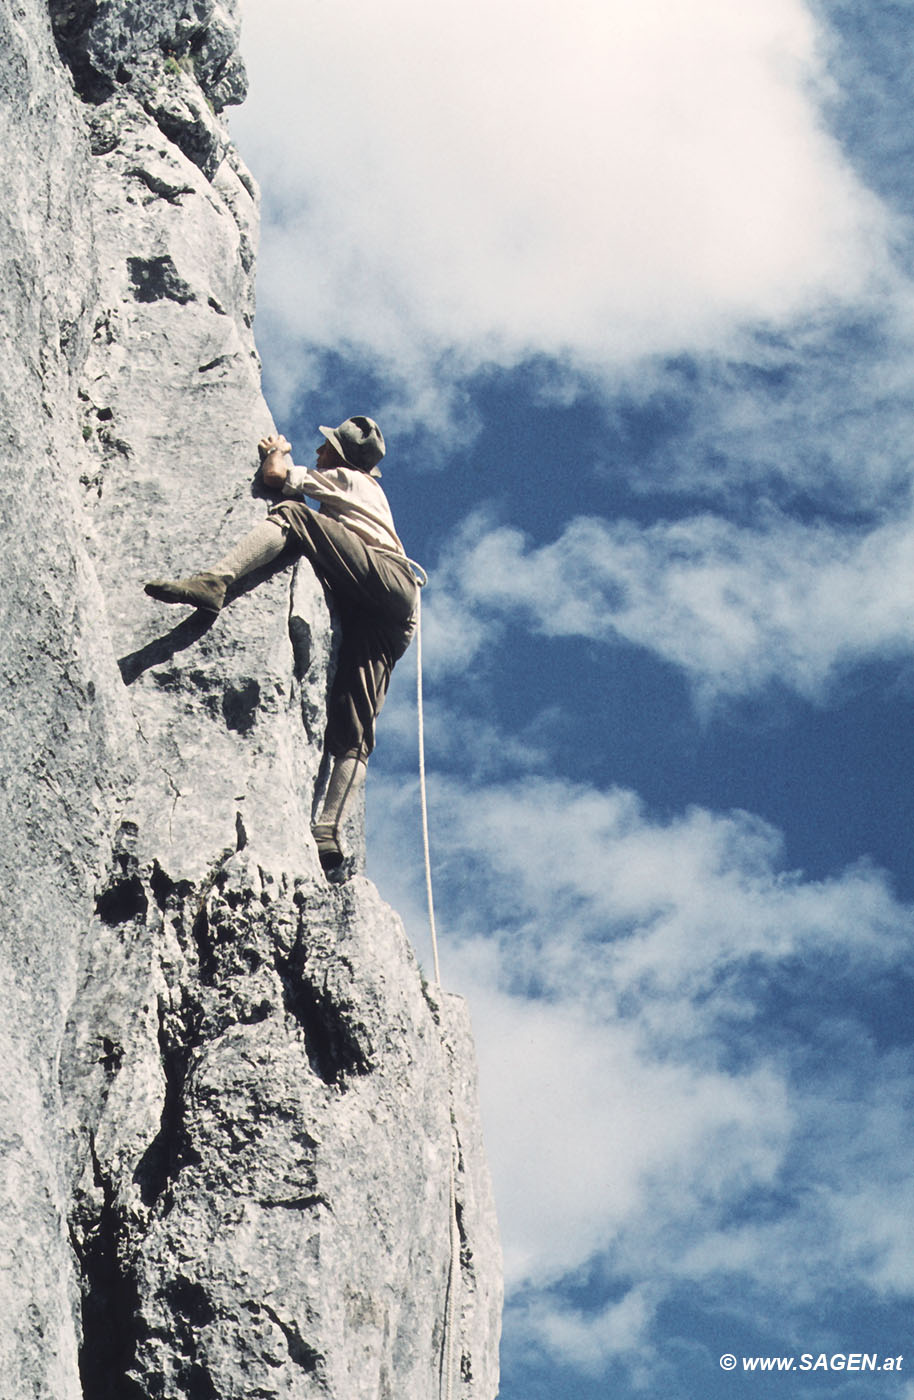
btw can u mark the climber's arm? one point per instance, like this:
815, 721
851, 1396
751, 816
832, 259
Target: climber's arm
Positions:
273, 466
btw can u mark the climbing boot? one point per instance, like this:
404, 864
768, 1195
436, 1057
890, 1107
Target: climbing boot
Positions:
198, 591
346, 778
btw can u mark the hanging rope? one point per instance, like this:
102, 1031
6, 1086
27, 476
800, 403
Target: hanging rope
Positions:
446, 1377
423, 799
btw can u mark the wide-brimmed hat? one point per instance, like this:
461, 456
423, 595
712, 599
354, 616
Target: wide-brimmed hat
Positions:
360, 443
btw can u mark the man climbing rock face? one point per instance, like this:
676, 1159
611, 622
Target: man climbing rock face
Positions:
354, 549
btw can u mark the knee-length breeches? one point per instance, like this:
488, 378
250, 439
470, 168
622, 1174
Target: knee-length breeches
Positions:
375, 595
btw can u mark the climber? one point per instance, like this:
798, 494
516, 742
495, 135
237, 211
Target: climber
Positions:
356, 553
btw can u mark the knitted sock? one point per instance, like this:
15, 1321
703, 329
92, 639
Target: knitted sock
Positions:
346, 778
261, 545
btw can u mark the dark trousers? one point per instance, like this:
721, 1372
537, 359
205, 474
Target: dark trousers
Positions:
375, 595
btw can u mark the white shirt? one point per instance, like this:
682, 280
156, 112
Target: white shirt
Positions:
353, 498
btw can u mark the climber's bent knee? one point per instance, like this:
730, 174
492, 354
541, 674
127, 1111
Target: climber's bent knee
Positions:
284, 513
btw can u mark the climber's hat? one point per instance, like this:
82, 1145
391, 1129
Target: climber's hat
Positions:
359, 442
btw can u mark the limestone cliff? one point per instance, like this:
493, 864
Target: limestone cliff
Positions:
229, 1105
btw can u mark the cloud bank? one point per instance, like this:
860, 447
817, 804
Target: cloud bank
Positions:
596, 182
736, 608
684, 1088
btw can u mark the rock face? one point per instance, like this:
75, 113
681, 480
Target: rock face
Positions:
231, 1113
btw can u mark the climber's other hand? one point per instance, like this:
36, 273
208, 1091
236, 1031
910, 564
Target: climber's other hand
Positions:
274, 443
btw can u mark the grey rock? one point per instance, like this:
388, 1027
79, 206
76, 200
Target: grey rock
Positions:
282, 1200
231, 1110
179, 60
106, 41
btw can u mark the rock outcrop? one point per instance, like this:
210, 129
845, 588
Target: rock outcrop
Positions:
231, 1111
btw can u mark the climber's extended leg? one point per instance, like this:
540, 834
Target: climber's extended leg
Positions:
207, 590
346, 779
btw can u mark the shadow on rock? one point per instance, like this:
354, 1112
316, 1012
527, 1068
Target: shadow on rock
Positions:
194, 627
163, 648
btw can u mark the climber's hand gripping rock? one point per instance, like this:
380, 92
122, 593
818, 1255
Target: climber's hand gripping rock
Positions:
275, 442
273, 466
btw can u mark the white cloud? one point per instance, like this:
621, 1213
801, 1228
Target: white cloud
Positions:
735, 608
452, 634
599, 180
637, 1090
821, 412
621, 1327
593, 1130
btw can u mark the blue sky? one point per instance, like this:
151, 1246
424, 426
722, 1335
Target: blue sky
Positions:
629, 289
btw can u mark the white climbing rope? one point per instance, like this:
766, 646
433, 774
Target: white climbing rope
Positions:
453, 1276
423, 799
